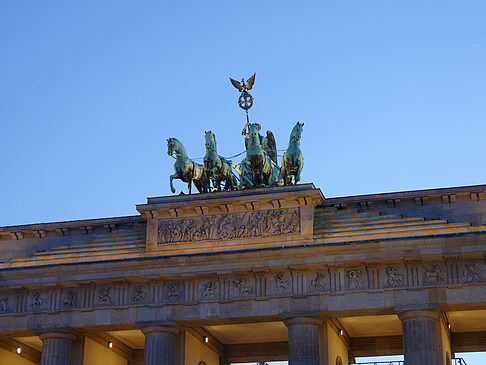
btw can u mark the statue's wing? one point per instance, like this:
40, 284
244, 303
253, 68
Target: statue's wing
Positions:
236, 84
270, 146
250, 82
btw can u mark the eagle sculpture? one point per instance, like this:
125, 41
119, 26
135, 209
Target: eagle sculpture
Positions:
244, 87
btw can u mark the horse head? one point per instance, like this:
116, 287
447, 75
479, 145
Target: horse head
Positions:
174, 145
254, 129
170, 146
296, 132
210, 139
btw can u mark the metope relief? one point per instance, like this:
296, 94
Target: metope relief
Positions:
282, 282
37, 302
138, 294
244, 287
318, 282
209, 290
173, 291
103, 296
433, 274
393, 277
4, 305
471, 273
230, 226
354, 280
70, 298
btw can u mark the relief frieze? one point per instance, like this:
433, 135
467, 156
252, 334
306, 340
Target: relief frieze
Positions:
336, 280
230, 226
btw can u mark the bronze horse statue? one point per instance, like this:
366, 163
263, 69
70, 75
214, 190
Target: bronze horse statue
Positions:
292, 160
186, 169
216, 166
258, 167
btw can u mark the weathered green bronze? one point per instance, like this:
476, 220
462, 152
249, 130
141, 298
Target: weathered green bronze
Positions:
259, 168
292, 160
186, 169
216, 166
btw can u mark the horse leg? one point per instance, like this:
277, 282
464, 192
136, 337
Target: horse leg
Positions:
172, 177
198, 185
189, 184
299, 170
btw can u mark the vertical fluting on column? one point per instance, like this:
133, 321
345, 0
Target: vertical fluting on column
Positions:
56, 348
419, 337
303, 340
159, 345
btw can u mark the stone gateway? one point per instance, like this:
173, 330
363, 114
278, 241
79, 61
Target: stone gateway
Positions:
275, 273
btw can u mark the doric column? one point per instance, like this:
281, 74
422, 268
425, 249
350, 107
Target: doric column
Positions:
56, 348
303, 340
419, 337
159, 345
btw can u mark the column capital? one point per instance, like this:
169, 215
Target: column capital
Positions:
163, 328
60, 335
426, 313
305, 320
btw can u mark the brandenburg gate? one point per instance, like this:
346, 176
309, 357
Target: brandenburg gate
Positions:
251, 275
254, 268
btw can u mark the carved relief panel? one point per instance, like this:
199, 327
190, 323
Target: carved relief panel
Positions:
472, 271
318, 281
355, 278
70, 298
243, 287
394, 276
434, 273
282, 283
230, 226
209, 289
138, 294
173, 291
6, 303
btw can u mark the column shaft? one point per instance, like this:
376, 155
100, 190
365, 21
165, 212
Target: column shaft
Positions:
419, 337
159, 345
303, 340
56, 348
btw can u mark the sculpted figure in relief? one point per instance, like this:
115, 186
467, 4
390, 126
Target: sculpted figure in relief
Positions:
244, 288
393, 276
281, 283
230, 226
138, 294
70, 299
318, 282
209, 290
4, 307
433, 273
354, 278
104, 296
471, 273
173, 291
36, 301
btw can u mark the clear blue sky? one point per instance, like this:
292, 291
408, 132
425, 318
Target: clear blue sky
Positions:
392, 94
